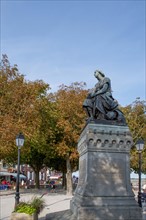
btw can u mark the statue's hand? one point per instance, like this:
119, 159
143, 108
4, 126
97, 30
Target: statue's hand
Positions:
95, 94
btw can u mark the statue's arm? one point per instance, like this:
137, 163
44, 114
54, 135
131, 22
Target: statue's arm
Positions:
101, 91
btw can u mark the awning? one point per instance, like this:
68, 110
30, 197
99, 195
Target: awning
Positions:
4, 174
55, 177
21, 176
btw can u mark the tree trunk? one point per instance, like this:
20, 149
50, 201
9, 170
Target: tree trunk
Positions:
69, 177
64, 180
37, 182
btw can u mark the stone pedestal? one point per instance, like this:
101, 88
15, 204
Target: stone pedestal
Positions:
104, 190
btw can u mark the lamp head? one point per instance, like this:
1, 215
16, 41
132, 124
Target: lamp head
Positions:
139, 145
20, 140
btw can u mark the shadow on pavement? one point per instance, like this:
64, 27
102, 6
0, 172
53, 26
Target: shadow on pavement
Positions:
57, 202
62, 215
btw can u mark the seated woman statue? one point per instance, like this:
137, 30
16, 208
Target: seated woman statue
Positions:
100, 103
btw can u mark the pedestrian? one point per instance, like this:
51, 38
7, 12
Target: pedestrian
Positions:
53, 187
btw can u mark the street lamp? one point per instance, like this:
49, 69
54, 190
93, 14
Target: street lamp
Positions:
139, 147
19, 144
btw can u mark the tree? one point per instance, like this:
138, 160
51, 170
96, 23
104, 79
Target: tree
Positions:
18, 99
25, 107
135, 114
71, 119
39, 149
36, 160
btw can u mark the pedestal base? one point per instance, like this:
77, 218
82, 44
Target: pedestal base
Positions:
105, 208
104, 190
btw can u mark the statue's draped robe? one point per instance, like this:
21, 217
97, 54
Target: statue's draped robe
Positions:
103, 102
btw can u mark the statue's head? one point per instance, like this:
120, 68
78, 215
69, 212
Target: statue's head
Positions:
98, 74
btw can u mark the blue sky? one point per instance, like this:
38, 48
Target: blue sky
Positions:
62, 42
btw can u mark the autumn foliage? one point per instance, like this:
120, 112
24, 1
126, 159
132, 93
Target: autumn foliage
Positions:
135, 114
51, 123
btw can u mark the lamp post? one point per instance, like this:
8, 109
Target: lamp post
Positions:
19, 144
139, 147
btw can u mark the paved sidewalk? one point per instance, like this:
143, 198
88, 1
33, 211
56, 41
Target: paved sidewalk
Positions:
54, 202
57, 204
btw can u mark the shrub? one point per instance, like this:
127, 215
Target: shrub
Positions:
35, 205
23, 207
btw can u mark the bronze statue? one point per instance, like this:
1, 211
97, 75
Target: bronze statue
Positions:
100, 104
